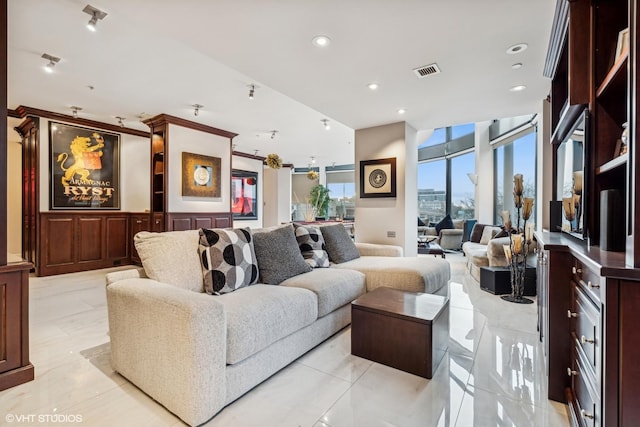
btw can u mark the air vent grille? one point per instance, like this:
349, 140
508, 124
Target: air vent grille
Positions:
427, 70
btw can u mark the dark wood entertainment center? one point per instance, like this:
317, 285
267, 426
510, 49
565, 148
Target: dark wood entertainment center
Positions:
589, 298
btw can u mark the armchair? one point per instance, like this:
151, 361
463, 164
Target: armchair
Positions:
448, 238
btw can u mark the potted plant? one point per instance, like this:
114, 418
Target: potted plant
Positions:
318, 201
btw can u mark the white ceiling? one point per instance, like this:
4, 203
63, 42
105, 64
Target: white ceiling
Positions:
163, 56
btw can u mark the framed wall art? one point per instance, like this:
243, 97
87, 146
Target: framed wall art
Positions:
378, 178
84, 168
244, 194
200, 175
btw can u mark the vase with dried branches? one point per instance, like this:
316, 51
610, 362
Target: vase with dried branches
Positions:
520, 239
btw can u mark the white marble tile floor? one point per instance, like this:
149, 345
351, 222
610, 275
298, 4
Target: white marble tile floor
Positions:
492, 375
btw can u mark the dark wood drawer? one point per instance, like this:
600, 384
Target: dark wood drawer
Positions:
588, 280
586, 329
586, 393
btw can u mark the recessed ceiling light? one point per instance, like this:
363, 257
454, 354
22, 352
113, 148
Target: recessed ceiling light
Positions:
401, 111
518, 88
321, 41
517, 65
373, 86
517, 48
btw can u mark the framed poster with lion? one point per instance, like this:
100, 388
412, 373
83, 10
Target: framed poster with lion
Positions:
84, 168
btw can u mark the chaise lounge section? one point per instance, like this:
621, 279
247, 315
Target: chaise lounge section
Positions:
195, 353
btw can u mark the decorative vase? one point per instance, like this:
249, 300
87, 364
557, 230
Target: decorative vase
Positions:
519, 242
624, 137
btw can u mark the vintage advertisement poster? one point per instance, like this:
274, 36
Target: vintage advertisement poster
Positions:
84, 168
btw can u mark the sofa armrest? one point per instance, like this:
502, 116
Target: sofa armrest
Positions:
495, 252
134, 273
373, 249
171, 343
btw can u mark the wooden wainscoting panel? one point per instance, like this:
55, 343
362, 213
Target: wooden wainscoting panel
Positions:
223, 221
192, 221
59, 241
203, 222
117, 237
180, 224
90, 237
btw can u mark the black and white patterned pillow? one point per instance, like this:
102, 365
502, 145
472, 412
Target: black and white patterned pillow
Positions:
312, 246
228, 259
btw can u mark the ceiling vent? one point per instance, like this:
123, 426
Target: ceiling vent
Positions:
427, 70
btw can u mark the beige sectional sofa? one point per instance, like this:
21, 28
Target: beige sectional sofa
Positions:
195, 353
488, 251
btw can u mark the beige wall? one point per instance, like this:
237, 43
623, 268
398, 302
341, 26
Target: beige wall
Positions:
251, 165
193, 141
377, 217
484, 170
277, 196
14, 189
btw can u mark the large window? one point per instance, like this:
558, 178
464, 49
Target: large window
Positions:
446, 164
342, 190
462, 187
517, 156
432, 190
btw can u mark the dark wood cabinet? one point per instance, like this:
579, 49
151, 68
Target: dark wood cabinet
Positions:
592, 339
80, 241
15, 367
138, 222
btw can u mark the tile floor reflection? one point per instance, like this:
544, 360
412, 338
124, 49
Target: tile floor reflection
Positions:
492, 375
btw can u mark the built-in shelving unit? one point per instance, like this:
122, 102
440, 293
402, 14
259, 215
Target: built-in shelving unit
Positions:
589, 291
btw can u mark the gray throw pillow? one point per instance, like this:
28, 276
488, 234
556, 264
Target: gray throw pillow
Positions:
228, 259
312, 246
339, 245
278, 255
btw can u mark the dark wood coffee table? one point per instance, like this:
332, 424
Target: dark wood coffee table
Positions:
405, 330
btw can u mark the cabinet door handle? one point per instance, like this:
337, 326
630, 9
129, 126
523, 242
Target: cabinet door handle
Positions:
571, 314
585, 414
571, 372
138, 221
576, 270
592, 286
157, 221
585, 340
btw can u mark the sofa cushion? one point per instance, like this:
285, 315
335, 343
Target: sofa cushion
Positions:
476, 233
415, 274
259, 315
312, 246
278, 254
339, 245
333, 287
171, 257
445, 223
487, 234
228, 259
501, 233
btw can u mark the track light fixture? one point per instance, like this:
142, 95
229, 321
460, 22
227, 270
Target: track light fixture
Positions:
53, 60
325, 122
273, 134
252, 90
96, 15
196, 109
74, 111
120, 121
313, 160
